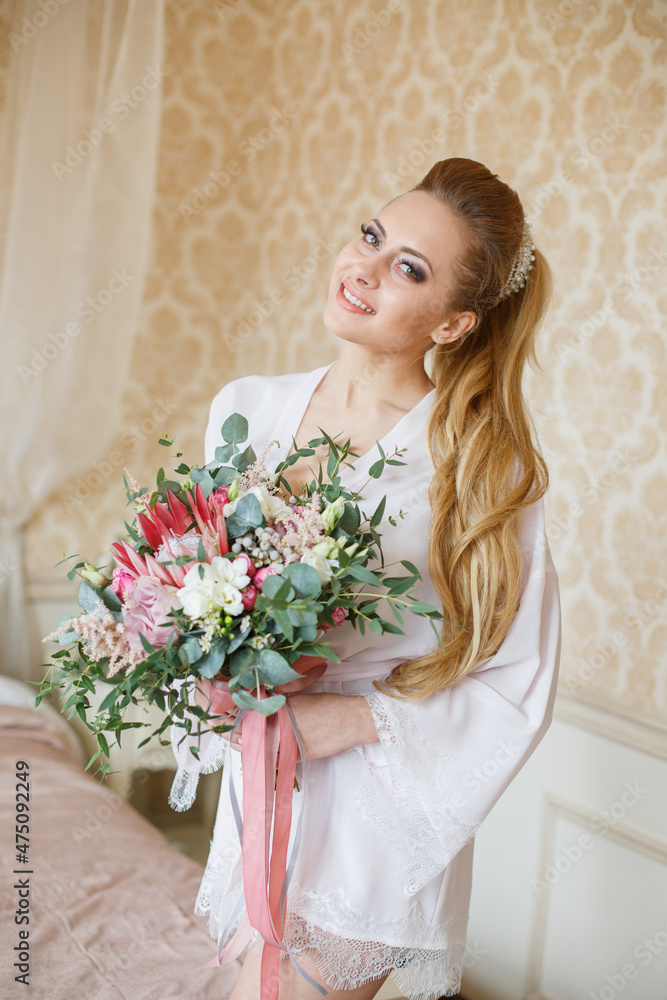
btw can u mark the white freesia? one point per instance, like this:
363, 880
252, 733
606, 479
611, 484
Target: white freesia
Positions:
218, 589
323, 567
271, 506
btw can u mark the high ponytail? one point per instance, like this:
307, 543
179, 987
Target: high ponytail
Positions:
488, 467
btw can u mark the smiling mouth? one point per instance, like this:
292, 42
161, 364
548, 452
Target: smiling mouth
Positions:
347, 294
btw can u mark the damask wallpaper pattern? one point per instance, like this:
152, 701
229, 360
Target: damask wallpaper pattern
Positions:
285, 124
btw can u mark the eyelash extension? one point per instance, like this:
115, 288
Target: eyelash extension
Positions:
417, 273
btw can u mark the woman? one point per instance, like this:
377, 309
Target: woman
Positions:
409, 743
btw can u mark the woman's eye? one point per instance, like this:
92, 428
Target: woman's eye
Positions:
412, 270
370, 236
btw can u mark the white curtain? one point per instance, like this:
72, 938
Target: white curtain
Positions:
78, 152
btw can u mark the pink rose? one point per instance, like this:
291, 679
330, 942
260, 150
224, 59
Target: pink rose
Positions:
339, 615
262, 573
248, 597
122, 582
146, 612
218, 498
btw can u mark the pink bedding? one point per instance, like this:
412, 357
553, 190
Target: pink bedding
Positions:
110, 900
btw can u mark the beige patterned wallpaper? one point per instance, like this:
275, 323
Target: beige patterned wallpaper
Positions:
286, 123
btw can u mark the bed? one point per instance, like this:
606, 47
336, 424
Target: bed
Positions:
109, 900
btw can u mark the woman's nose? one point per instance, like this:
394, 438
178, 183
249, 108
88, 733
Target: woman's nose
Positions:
366, 271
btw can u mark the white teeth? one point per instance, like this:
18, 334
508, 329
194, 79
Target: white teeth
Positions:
356, 302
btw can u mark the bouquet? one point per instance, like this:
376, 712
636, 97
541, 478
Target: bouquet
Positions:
221, 578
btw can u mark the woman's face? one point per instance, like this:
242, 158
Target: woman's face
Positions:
390, 285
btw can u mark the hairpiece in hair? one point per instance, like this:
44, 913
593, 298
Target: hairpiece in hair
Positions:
522, 265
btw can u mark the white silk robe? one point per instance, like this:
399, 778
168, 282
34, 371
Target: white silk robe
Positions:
384, 871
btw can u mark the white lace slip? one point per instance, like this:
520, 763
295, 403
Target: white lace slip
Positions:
351, 947
211, 749
412, 820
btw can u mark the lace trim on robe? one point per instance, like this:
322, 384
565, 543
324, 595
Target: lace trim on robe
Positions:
350, 947
411, 818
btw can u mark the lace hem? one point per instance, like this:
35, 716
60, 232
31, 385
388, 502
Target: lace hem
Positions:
211, 748
414, 818
350, 947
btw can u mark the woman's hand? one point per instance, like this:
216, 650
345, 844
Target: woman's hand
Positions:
202, 697
329, 723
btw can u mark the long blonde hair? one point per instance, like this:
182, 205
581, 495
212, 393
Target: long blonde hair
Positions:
481, 435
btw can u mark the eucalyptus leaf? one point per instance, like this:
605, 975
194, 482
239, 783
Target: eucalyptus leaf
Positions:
303, 578
235, 429
223, 453
278, 587
248, 515
211, 663
266, 706
275, 669
87, 597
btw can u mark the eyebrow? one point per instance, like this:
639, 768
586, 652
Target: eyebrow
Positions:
404, 249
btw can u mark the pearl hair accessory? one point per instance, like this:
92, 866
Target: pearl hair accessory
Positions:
522, 265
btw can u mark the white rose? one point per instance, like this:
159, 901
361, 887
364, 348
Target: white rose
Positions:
322, 566
270, 505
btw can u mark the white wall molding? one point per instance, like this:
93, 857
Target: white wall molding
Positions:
555, 807
625, 724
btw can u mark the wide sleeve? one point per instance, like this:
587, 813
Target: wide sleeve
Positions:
450, 756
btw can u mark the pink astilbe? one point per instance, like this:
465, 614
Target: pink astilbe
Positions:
257, 473
302, 528
104, 636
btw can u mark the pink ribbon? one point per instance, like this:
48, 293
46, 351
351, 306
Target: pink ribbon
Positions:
270, 743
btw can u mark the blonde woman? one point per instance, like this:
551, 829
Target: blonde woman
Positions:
409, 743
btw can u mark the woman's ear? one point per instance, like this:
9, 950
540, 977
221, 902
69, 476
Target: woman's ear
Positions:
452, 330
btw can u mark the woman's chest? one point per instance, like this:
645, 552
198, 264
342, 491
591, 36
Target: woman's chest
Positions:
362, 431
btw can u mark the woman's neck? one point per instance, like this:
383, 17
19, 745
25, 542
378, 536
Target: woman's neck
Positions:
364, 380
